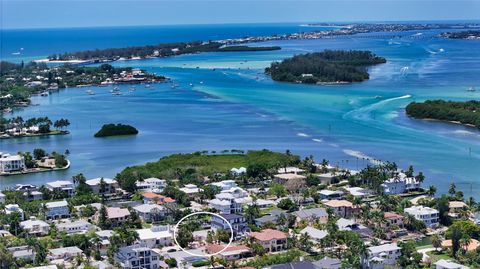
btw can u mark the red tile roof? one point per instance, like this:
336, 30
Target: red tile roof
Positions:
268, 234
161, 198
392, 215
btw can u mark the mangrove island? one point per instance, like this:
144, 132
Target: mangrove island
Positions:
458, 112
116, 130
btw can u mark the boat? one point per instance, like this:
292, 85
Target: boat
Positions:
147, 85
44, 94
191, 84
471, 89
201, 82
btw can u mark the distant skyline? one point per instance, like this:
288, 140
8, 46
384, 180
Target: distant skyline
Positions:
88, 13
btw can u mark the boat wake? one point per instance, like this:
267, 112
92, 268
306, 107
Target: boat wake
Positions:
303, 135
317, 140
362, 113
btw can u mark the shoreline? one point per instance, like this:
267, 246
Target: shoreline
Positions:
36, 170
445, 121
35, 135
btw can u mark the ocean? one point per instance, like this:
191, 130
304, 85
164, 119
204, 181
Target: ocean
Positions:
234, 105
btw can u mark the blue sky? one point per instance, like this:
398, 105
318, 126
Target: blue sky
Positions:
84, 13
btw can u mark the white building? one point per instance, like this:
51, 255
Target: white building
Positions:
190, 189
315, 234
426, 214
150, 212
358, 191
380, 256
290, 170
155, 236
329, 194
151, 185
230, 201
73, 227
57, 210
109, 186
65, 254
35, 227
445, 264
225, 185
238, 171
14, 208
61, 185
137, 257
11, 163
400, 184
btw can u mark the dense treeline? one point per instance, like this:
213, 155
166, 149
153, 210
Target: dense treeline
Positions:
464, 112
160, 50
324, 67
116, 129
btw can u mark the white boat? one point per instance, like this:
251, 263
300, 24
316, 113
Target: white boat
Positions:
191, 84
471, 89
44, 94
201, 82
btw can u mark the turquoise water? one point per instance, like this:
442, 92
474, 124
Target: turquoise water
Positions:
237, 106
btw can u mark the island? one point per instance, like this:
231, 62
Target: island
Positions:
327, 67
18, 82
470, 35
467, 113
116, 130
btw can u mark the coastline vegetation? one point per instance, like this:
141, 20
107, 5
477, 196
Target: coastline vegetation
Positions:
116, 130
160, 50
470, 34
467, 112
329, 66
18, 127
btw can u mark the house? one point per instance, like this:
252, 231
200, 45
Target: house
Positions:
380, 256
22, 252
271, 217
137, 257
151, 184
237, 222
104, 236
341, 208
262, 203
190, 189
230, 201
31, 196
185, 259
14, 208
394, 224
64, 186
446, 264
117, 215
35, 227
11, 163
400, 184
102, 185
290, 170
351, 225
327, 178
428, 215
312, 215
272, 240
57, 210
65, 254
473, 244
330, 195
73, 227
150, 197
150, 212
328, 263
455, 207
230, 253
358, 191
283, 178
155, 236
238, 171
225, 184
315, 234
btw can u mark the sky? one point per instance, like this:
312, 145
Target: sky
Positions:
86, 13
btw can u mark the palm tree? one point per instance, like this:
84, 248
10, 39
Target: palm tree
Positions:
305, 242
436, 242
432, 190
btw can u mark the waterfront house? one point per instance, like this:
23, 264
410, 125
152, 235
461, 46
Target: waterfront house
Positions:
378, 257
64, 254
35, 227
155, 236
137, 257
270, 239
400, 184
14, 208
117, 215
330, 195
103, 185
73, 227
327, 178
64, 186
428, 215
57, 210
150, 197
150, 212
11, 163
230, 253
312, 215
151, 184
237, 222
341, 208
447, 264
394, 224
456, 207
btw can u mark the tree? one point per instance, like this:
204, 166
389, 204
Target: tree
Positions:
442, 206
184, 236
436, 241
305, 242
287, 204
251, 213
103, 221
432, 190
278, 190
409, 255
39, 154
452, 190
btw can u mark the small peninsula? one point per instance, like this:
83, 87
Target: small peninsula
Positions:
327, 67
467, 113
116, 130
470, 35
